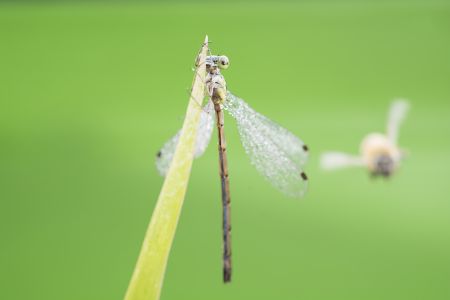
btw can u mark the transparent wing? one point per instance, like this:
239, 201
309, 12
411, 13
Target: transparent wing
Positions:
397, 114
205, 128
338, 160
274, 151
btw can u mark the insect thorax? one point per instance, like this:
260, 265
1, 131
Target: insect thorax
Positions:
215, 82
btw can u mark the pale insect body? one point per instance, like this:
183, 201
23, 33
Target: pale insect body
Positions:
379, 153
275, 152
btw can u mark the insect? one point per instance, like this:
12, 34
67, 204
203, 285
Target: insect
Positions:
275, 152
379, 153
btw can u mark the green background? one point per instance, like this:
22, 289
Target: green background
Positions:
89, 93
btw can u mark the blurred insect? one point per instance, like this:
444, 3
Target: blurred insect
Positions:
274, 151
379, 153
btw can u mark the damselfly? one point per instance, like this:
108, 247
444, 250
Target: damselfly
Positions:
379, 153
274, 151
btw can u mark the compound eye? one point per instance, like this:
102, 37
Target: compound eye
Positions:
224, 63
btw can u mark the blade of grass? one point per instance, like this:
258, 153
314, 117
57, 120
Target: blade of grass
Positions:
148, 276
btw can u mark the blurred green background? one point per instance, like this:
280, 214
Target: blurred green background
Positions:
90, 91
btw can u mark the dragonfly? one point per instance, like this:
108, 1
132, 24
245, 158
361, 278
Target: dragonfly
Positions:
275, 152
380, 153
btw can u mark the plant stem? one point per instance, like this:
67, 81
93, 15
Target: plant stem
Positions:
147, 280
